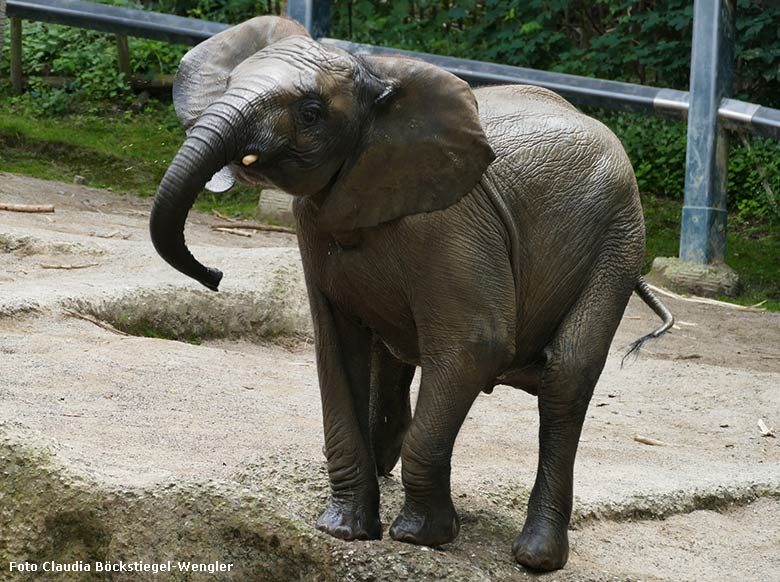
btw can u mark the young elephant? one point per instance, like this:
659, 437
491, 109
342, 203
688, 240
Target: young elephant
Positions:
490, 247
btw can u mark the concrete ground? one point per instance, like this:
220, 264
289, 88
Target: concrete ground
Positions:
134, 448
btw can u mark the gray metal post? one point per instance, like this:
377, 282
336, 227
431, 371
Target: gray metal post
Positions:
703, 236
313, 14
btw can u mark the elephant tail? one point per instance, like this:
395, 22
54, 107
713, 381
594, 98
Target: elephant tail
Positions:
643, 290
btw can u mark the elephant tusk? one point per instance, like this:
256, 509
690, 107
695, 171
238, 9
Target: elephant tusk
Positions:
249, 159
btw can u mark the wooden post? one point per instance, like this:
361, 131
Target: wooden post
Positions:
123, 54
16, 55
2, 26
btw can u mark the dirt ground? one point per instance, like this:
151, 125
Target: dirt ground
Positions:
240, 407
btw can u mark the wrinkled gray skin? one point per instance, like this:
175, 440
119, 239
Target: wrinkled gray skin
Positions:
498, 247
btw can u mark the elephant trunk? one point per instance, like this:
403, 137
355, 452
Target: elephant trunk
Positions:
211, 143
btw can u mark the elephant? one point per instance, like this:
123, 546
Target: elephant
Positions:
487, 236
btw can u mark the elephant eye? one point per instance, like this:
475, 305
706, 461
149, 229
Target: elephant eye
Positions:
310, 112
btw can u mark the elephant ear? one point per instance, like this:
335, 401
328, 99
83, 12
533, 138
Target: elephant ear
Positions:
422, 150
204, 71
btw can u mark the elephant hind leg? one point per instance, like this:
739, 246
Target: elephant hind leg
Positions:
574, 361
390, 408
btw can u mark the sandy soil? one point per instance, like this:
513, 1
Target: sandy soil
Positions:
137, 412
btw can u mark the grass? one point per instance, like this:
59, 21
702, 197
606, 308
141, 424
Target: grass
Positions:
130, 152
752, 250
142, 327
123, 153
239, 201
127, 153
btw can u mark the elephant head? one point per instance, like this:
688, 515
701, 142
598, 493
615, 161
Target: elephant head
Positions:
369, 139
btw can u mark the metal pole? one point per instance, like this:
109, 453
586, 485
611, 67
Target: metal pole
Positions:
703, 236
313, 14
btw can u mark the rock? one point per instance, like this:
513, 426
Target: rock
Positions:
714, 280
276, 205
57, 515
79, 180
275, 305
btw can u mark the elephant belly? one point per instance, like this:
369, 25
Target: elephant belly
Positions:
525, 378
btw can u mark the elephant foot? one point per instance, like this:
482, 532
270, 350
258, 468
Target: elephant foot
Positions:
542, 546
426, 525
350, 521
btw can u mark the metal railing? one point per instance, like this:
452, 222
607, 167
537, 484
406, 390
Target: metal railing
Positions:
707, 105
588, 91
106, 18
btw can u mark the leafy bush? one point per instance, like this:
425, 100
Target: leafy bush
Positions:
84, 64
227, 11
75, 70
754, 179
87, 60
657, 151
643, 41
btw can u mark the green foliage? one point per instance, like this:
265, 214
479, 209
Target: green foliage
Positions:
657, 151
644, 41
155, 57
754, 179
128, 152
83, 63
757, 70
751, 250
72, 70
227, 11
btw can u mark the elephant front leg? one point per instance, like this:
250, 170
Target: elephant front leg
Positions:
447, 391
343, 365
